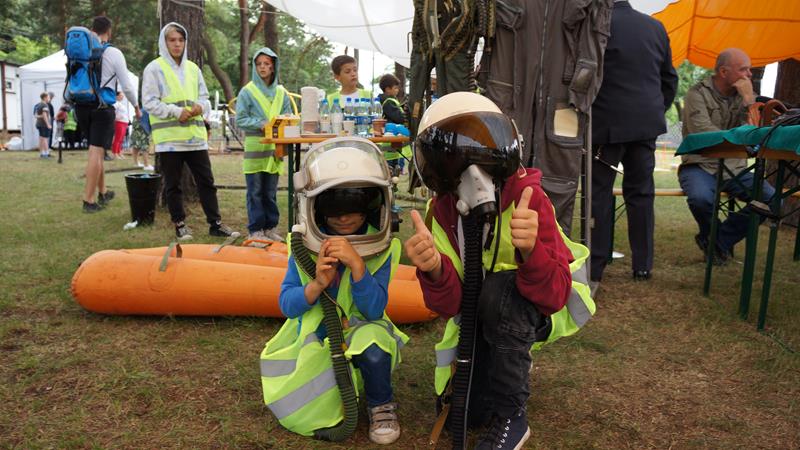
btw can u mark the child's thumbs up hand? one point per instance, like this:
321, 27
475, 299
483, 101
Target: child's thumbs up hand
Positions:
421, 249
524, 225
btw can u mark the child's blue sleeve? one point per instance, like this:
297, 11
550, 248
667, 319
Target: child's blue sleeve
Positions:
371, 293
292, 300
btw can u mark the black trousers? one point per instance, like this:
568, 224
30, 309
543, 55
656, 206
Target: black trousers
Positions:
638, 191
200, 166
508, 326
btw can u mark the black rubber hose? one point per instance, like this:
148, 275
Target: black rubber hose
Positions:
341, 368
465, 352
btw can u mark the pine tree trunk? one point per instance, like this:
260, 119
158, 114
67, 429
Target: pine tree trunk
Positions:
400, 73
193, 19
271, 28
787, 90
244, 43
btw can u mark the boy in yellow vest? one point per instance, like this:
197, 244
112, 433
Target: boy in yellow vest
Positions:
259, 101
393, 113
344, 200
175, 95
345, 72
495, 258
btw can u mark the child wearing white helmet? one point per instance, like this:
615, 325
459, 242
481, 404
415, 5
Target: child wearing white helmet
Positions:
343, 257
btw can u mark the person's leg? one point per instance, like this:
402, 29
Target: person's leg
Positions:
376, 371
734, 228
256, 215
511, 324
119, 134
42, 144
135, 155
270, 200
200, 165
603, 177
171, 171
102, 135
94, 170
699, 187
638, 189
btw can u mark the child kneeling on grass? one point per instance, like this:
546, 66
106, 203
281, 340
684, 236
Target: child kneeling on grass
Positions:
344, 200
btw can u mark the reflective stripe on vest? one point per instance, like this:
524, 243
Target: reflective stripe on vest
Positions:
180, 94
259, 157
578, 310
303, 395
281, 367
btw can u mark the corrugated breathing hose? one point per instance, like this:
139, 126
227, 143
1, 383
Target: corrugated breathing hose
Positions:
341, 368
465, 352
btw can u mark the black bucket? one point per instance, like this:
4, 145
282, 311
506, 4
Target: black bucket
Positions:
143, 195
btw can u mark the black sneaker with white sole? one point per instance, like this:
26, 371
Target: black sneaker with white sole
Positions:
506, 433
183, 232
222, 230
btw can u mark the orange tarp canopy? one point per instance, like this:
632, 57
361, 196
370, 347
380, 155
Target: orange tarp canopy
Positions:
767, 30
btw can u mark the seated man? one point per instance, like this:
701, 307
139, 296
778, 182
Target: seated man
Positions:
719, 102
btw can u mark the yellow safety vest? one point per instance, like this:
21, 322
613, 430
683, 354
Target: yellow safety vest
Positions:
184, 95
70, 124
579, 308
297, 375
259, 157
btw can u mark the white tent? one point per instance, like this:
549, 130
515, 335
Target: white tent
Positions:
45, 75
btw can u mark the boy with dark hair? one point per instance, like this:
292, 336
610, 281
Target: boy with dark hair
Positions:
345, 71
393, 113
97, 122
43, 125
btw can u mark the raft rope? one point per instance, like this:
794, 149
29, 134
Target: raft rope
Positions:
341, 368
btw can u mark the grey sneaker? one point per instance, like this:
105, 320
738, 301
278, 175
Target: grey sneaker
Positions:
273, 235
91, 207
183, 232
222, 230
257, 236
383, 425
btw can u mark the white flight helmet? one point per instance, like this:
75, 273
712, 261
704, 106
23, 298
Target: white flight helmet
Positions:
344, 175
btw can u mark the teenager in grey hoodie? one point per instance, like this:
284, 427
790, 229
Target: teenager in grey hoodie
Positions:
174, 151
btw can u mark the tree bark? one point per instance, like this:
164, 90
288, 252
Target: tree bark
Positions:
244, 43
400, 73
259, 26
787, 89
219, 74
271, 28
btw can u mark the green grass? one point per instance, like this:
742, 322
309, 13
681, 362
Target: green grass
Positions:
659, 366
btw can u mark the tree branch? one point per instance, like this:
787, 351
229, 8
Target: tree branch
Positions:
221, 75
262, 20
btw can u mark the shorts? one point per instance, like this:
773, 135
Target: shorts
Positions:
44, 132
98, 124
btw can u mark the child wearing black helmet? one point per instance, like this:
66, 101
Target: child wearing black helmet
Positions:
491, 258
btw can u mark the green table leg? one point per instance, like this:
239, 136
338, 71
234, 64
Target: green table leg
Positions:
775, 206
290, 189
751, 244
712, 237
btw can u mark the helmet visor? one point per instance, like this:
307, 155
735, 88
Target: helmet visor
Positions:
447, 148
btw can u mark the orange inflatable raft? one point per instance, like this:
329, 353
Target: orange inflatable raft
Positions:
206, 280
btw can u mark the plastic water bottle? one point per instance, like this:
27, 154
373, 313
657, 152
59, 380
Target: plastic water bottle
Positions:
362, 117
377, 109
324, 117
336, 118
349, 114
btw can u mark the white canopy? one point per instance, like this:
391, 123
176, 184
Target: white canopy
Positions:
379, 25
45, 75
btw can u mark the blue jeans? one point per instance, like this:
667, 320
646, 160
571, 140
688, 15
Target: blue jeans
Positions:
376, 370
699, 187
262, 201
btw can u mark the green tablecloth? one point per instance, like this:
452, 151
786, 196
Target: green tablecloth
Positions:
783, 138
